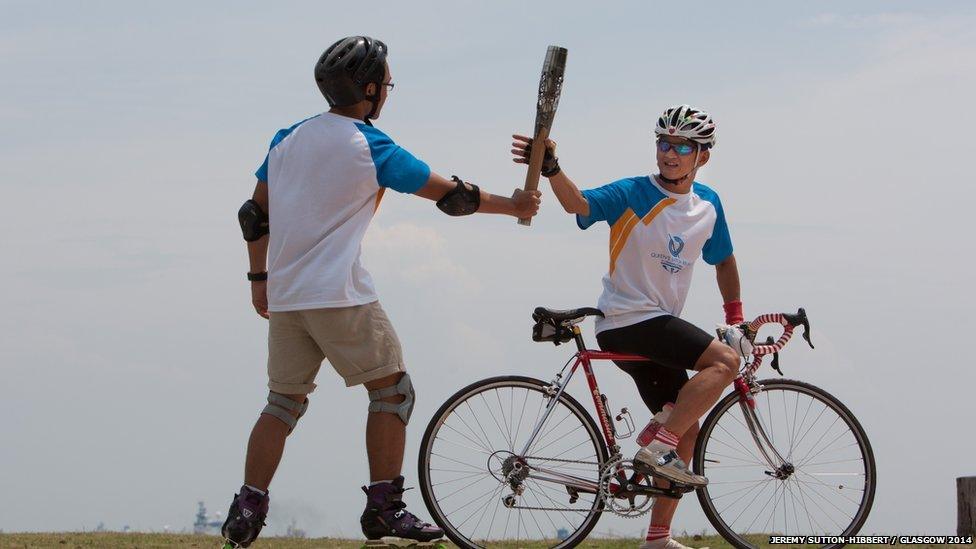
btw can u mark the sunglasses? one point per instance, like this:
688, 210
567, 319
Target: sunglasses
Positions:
682, 149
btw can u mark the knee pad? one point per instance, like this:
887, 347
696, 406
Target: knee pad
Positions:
281, 407
404, 409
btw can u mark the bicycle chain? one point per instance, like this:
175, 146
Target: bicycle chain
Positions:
561, 460
529, 508
604, 510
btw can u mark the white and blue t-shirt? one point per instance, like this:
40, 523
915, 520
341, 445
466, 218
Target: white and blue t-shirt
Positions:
326, 176
655, 238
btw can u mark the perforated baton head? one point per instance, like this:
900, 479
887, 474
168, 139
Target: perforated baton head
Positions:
550, 86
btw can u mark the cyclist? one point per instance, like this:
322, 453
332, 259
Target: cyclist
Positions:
659, 226
316, 193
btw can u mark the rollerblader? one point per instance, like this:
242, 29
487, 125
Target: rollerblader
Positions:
660, 225
316, 193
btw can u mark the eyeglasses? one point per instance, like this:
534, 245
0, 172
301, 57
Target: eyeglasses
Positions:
682, 149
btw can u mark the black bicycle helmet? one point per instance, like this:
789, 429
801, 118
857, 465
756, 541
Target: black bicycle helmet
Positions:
347, 66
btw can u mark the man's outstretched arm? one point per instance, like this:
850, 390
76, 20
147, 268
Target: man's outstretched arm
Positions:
522, 204
568, 194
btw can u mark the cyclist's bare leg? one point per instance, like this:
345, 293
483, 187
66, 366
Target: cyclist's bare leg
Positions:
663, 510
265, 447
386, 435
717, 368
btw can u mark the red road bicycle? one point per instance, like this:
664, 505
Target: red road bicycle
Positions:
514, 457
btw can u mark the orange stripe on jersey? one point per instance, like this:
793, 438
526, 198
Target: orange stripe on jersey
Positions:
622, 228
379, 196
664, 203
618, 227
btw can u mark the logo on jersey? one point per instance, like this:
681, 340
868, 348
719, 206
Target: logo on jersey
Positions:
675, 245
673, 263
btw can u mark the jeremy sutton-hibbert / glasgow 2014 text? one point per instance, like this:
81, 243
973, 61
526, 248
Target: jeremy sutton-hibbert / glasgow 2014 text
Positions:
873, 540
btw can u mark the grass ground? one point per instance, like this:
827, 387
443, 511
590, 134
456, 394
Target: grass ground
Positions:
108, 540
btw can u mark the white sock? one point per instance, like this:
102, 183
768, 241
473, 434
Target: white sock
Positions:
374, 483
253, 489
655, 533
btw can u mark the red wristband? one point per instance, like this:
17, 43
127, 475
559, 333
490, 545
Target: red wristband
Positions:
733, 312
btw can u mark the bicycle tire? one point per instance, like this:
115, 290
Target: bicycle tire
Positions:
454, 403
707, 435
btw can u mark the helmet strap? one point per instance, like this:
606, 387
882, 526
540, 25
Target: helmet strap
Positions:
372, 111
374, 100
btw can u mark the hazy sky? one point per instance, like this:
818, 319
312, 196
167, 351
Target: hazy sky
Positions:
133, 365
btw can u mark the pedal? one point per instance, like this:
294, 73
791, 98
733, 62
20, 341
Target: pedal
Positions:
677, 488
401, 543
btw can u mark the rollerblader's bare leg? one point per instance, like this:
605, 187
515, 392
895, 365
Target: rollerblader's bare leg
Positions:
386, 514
249, 508
386, 434
265, 447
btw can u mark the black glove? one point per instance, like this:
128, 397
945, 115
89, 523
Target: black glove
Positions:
550, 162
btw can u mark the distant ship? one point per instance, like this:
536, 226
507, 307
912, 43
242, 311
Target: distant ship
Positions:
205, 524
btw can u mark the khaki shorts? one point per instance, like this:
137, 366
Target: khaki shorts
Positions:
358, 341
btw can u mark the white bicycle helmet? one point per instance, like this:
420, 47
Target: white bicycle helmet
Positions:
688, 122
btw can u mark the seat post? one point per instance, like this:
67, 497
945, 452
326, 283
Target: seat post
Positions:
578, 336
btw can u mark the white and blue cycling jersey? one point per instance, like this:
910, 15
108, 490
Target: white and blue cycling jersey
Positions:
326, 176
655, 238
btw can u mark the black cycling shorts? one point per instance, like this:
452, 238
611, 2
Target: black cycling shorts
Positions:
672, 344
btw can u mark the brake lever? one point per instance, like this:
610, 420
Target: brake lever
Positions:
775, 362
800, 319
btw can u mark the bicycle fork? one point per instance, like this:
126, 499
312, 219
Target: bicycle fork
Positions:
781, 468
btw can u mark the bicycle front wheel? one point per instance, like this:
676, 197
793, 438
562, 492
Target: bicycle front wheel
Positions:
801, 465
479, 485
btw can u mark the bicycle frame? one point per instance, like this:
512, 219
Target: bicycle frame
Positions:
745, 384
583, 358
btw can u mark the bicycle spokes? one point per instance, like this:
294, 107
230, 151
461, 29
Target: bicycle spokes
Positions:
765, 446
485, 488
796, 463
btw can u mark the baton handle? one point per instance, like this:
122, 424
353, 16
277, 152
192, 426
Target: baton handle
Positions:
536, 157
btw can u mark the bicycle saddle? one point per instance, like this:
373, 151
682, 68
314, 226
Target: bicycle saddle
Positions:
554, 316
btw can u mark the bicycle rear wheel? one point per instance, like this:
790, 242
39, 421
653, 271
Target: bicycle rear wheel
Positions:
473, 442
823, 486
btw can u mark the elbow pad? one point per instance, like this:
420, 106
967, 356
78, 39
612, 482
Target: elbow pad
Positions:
463, 199
254, 221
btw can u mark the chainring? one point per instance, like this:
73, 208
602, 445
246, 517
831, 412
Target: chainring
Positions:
622, 473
